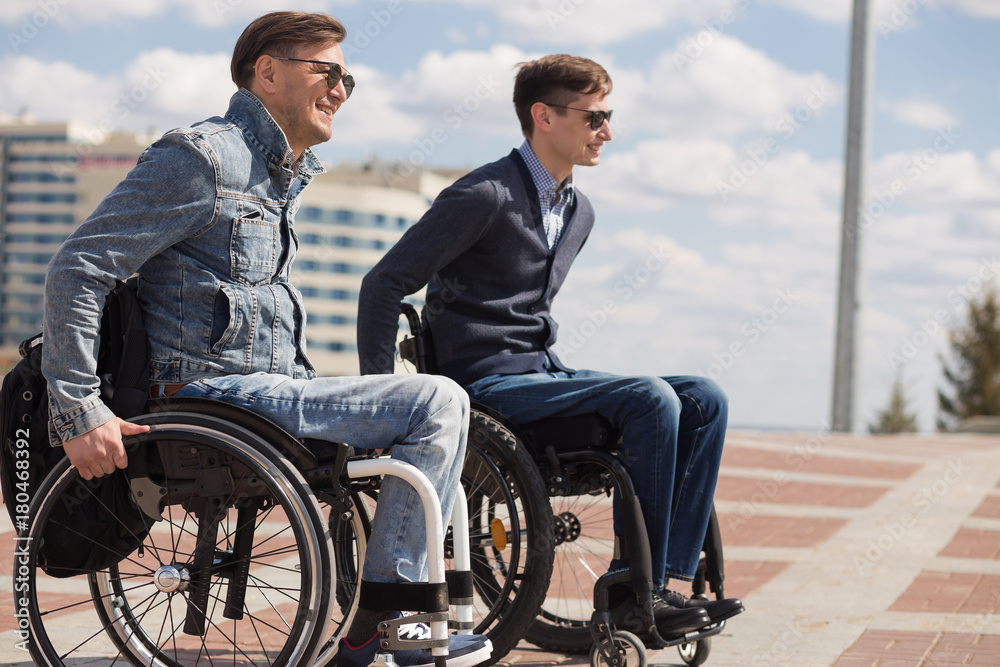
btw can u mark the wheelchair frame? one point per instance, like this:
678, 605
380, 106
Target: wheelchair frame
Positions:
252, 468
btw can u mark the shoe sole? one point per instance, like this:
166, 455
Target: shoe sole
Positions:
684, 629
728, 615
468, 659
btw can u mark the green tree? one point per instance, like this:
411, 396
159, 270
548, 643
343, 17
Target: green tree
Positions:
895, 417
974, 374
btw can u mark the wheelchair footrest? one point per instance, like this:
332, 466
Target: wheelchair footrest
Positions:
658, 642
391, 641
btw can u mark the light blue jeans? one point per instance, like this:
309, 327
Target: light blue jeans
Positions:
424, 418
672, 428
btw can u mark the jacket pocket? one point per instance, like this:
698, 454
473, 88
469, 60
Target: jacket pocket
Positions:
225, 321
253, 250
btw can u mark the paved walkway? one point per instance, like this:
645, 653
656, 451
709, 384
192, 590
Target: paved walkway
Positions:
849, 551
853, 551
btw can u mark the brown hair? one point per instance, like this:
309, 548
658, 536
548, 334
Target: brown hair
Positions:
278, 34
556, 79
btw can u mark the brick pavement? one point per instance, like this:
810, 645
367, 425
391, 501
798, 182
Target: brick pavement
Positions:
855, 551
849, 551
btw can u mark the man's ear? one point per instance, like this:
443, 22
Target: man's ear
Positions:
541, 116
266, 73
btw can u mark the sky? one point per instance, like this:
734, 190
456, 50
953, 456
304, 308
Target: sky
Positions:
719, 200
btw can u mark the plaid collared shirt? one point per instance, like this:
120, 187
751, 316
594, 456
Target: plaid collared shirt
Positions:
555, 199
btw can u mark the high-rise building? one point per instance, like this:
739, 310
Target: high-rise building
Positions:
53, 175
348, 219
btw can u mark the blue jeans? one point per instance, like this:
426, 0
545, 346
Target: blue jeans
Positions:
672, 428
424, 418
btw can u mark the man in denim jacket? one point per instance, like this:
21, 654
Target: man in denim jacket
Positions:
206, 220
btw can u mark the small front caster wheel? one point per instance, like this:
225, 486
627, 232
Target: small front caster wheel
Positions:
695, 653
630, 652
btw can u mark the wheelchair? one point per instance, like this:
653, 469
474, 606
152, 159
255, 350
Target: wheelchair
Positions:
251, 552
575, 460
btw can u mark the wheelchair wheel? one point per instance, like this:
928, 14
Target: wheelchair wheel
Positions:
629, 649
510, 533
349, 537
236, 572
584, 539
695, 653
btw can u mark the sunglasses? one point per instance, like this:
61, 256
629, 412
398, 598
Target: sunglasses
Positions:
597, 118
334, 75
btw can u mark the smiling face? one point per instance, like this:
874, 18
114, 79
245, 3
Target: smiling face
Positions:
297, 96
563, 138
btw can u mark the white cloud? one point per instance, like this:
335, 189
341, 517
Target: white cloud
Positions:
36, 14
473, 87
918, 113
372, 115
160, 89
656, 173
932, 179
55, 91
583, 22
223, 12
790, 191
726, 88
460, 94
184, 86
898, 13
589, 22
565, 22
984, 8
828, 10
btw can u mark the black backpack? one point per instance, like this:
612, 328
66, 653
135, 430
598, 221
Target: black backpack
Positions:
80, 537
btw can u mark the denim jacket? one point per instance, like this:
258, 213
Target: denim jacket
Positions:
206, 220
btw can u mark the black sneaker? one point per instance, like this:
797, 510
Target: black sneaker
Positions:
718, 610
670, 620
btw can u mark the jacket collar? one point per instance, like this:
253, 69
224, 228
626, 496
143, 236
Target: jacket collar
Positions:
248, 113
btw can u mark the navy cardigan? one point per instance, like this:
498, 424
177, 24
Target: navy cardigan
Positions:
490, 277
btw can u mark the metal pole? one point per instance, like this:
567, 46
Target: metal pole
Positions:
849, 301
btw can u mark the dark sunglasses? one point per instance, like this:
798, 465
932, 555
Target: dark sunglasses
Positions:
335, 75
597, 118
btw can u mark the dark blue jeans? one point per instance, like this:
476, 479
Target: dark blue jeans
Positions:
672, 428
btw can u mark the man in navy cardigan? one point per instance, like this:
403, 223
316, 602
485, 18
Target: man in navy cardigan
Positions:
493, 251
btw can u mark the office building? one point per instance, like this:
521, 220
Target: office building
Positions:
348, 219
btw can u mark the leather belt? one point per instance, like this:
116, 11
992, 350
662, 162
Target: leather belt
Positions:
161, 390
